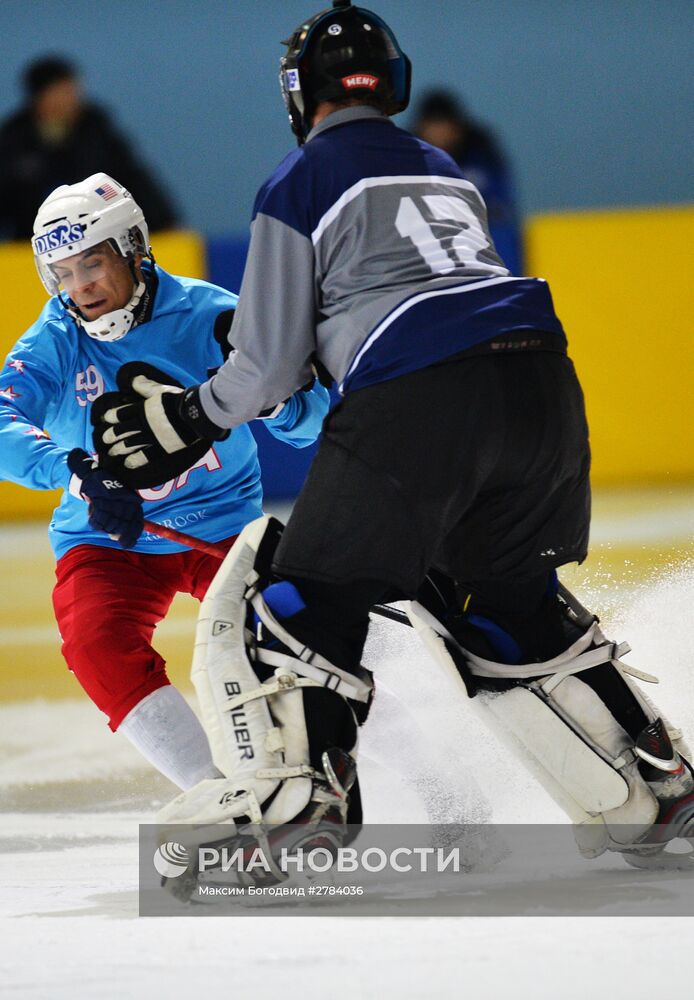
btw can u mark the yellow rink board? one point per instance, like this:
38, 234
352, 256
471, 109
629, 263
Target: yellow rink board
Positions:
25, 297
623, 286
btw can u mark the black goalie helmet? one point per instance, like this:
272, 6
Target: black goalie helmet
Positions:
342, 52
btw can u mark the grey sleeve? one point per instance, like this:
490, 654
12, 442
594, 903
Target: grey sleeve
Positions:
274, 331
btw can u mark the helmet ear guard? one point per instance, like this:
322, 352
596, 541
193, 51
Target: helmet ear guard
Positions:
340, 53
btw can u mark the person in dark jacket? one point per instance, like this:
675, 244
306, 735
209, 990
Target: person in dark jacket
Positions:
58, 137
442, 120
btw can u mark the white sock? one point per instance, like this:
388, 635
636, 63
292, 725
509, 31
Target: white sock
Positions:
166, 731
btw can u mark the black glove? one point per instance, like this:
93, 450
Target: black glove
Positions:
152, 429
113, 507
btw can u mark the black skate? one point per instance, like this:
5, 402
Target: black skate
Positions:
669, 844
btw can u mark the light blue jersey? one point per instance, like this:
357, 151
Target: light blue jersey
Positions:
55, 372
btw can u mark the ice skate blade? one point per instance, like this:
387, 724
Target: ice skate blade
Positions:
269, 843
662, 861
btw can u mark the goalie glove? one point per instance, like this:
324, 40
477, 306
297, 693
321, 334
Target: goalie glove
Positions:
152, 429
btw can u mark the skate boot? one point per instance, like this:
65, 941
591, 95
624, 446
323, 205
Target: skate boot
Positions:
670, 779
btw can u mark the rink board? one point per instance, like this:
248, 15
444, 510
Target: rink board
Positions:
621, 283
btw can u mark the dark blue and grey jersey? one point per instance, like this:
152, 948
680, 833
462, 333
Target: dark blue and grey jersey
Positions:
371, 253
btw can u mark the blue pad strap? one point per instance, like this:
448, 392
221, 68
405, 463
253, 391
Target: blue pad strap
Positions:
504, 645
283, 599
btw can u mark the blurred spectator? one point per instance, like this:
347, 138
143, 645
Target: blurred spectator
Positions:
443, 121
59, 137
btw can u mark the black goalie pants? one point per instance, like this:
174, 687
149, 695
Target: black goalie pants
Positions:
476, 467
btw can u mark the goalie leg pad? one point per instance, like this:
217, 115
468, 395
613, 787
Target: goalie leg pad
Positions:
257, 727
565, 733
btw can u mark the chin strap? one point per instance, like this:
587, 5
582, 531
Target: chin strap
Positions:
112, 325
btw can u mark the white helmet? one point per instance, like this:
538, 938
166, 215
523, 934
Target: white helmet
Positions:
75, 217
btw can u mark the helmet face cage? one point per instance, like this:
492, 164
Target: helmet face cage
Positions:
77, 217
300, 92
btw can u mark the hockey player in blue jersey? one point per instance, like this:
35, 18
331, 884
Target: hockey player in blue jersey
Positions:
453, 473
110, 303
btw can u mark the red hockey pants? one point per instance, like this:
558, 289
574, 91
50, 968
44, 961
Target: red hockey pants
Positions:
107, 604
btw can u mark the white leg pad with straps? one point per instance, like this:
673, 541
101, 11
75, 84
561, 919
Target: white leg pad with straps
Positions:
562, 730
221, 670
588, 783
257, 732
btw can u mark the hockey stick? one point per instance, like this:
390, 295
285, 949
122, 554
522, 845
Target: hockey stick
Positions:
385, 611
210, 549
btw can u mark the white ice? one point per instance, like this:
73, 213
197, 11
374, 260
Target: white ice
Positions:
73, 795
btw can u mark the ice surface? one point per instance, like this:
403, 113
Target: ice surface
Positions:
73, 794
